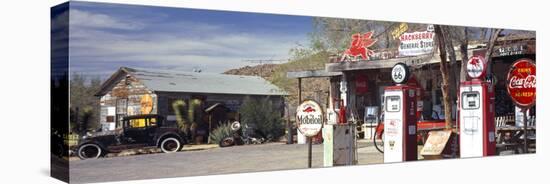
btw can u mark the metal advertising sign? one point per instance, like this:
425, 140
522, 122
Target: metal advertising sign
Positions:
361, 84
416, 43
309, 118
398, 31
522, 83
146, 104
359, 47
476, 67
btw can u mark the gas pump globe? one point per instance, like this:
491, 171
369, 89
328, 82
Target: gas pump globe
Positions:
477, 126
400, 118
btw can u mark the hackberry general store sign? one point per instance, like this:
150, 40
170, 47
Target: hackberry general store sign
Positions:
522, 83
416, 43
309, 118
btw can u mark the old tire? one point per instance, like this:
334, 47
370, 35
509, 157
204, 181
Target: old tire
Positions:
170, 145
226, 142
90, 151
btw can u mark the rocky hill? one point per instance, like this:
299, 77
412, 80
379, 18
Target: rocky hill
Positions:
312, 88
265, 71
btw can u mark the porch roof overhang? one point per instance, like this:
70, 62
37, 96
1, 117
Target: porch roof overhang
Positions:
379, 64
311, 74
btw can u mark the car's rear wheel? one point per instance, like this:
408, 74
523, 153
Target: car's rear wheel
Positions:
89, 151
170, 145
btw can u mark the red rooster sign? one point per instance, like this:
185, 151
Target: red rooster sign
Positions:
359, 46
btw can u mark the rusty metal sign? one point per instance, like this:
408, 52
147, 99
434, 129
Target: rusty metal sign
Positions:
146, 104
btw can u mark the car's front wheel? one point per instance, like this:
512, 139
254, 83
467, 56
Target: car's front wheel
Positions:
170, 145
89, 151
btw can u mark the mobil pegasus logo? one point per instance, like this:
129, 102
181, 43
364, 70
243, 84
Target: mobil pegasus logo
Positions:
359, 47
476, 67
309, 109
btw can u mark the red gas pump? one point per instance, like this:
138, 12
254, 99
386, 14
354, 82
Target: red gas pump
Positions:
477, 125
400, 118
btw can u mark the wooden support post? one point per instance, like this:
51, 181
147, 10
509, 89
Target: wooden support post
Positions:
310, 140
288, 126
299, 90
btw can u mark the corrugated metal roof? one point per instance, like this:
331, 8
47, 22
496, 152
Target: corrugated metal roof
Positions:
193, 82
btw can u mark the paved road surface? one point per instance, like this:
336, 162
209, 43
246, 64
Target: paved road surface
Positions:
238, 159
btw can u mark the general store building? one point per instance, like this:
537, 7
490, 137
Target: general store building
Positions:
214, 98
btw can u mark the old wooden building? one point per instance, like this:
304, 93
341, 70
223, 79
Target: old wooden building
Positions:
204, 99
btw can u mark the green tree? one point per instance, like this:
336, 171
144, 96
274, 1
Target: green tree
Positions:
84, 106
261, 114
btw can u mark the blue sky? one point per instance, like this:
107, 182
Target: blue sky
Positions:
104, 37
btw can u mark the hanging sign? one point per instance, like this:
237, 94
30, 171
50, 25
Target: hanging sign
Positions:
398, 31
309, 118
359, 47
476, 67
522, 83
416, 43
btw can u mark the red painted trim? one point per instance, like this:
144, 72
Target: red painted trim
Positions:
472, 82
485, 113
404, 123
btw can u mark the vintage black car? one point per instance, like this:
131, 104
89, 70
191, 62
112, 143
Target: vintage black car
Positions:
138, 131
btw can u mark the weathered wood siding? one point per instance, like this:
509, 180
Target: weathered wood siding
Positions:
124, 99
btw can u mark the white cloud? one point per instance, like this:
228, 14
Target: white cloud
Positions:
209, 47
81, 18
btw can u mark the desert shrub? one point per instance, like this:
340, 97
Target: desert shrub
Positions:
261, 114
223, 130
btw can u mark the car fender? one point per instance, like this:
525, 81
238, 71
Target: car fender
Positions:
101, 145
173, 134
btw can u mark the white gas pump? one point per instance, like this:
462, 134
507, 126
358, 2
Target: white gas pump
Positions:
477, 126
400, 118
338, 138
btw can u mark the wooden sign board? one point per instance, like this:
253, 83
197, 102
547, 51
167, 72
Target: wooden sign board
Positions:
435, 144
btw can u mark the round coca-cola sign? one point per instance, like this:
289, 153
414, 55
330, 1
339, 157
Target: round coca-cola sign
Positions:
476, 67
309, 117
522, 82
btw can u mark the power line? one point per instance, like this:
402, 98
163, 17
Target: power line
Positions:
265, 61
